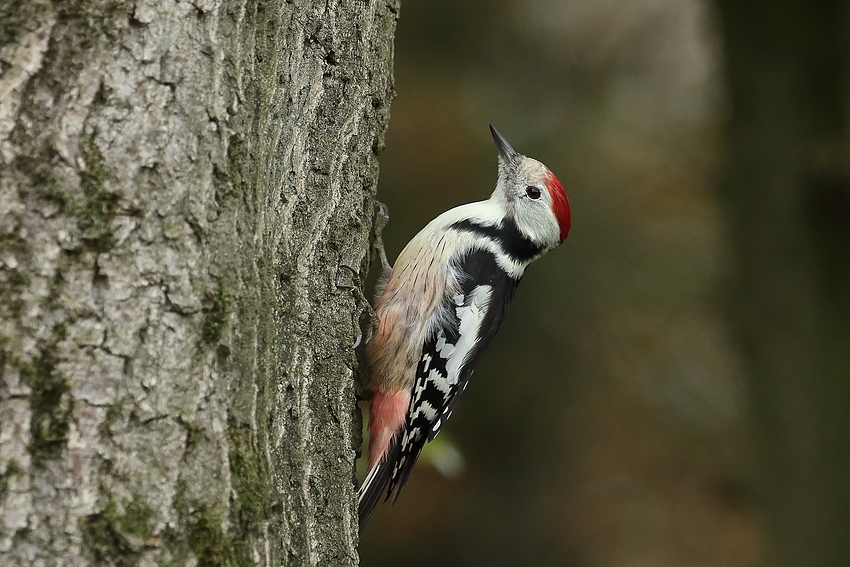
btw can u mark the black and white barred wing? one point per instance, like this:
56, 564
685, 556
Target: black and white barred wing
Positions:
469, 321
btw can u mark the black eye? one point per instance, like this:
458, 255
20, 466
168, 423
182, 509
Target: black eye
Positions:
532, 192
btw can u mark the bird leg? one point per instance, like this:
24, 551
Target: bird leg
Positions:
356, 290
382, 217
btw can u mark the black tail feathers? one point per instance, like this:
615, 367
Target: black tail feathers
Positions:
375, 483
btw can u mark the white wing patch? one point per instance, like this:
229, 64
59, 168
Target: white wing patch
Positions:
444, 349
471, 316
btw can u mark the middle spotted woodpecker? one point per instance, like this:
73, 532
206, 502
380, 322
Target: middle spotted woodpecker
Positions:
441, 306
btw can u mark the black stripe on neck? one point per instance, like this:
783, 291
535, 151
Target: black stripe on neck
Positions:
513, 242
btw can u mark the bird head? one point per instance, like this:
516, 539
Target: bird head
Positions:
533, 197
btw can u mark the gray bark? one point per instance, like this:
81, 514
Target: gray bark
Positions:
179, 184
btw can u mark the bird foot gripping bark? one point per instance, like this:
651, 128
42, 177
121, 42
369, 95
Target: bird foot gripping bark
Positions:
381, 218
356, 289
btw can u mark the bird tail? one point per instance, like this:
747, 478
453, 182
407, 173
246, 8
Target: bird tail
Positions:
376, 481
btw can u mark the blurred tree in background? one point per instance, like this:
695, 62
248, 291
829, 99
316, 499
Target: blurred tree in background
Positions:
629, 413
788, 194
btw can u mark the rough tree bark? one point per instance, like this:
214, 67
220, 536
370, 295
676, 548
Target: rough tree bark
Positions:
179, 184
788, 198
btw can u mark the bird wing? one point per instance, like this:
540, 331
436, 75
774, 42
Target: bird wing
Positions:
467, 323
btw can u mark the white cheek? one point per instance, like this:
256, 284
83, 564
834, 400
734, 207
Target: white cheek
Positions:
532, 218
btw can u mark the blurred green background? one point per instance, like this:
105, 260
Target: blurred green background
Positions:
672, 385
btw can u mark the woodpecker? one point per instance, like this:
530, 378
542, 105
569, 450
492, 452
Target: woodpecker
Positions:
442, 303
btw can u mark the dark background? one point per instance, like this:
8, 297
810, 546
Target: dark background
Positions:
671, 386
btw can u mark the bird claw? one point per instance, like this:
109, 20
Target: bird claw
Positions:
356, 291
382, 217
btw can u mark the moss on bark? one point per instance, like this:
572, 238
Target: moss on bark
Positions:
179, 184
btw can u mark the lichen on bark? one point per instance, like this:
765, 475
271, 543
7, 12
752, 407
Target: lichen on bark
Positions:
180, 182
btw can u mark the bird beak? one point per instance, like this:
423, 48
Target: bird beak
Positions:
508, 154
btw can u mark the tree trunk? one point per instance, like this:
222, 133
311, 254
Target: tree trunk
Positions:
180, 183
788, 198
